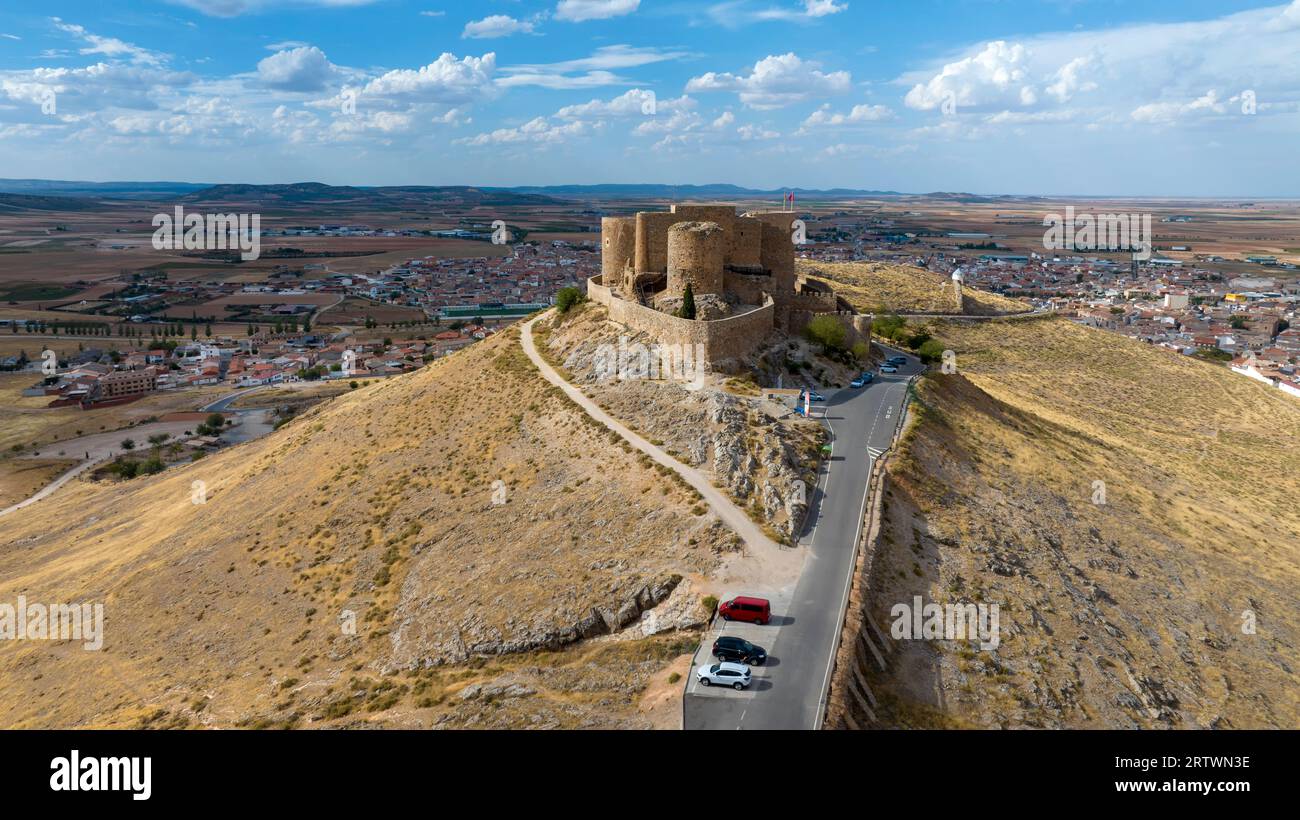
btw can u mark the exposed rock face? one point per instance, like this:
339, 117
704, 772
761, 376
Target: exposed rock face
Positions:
765, 463
432, 646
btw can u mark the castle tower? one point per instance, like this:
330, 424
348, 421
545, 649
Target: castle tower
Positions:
777, 255
617, 248
696, 251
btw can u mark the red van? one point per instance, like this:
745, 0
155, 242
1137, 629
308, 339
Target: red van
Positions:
743, 608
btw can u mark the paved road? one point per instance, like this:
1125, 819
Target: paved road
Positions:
787, 692
220, 405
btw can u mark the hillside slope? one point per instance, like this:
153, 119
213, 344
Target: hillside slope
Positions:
879, 287
384, 503
1124, 603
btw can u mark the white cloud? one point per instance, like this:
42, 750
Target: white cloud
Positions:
110, 47
576, 11
304, 68
536, 130
821, 8
733, 13
724, 119
496, 25
824, 116
433, 14
1167, 112
637, 102
1144, 72
756, 132
998, 75
775, 82
446, 80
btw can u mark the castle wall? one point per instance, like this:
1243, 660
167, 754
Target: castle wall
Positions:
777, 255
695, 254
750, 288
652, 241
618, 245
722, 339
724, 215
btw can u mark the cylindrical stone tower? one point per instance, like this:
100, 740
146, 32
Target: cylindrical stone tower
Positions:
617, 246
695, 254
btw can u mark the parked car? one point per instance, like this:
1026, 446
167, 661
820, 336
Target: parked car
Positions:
858, 382
735, 675
731, 648
814, 396
744, 608
888, 368
897, 361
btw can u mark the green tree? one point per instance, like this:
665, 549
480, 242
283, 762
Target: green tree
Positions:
688, 303
826, 331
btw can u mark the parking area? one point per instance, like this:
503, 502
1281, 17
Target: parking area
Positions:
767, 636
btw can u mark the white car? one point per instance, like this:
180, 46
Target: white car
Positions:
888, 368
726, 673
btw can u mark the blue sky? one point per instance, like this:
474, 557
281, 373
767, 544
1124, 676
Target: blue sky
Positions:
1193, 98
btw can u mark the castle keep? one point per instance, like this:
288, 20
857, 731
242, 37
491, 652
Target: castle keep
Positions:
740, 270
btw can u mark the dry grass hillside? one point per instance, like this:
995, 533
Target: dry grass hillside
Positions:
752, 448
1127, 613
381, 502
879, 287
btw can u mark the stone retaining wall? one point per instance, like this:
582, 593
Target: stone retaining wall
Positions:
721, 339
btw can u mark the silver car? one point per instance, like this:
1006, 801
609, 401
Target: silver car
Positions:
726, 673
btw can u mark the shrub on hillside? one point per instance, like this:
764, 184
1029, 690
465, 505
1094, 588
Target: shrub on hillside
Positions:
568, 298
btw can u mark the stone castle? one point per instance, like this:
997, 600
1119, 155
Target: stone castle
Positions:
741, 272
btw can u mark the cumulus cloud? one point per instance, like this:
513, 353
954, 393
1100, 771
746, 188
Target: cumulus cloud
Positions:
775, 82
821, 8
824, 116
998, 75
637, 102
446, 80
1145, 72
496, 25
304, 68
536, 130
576, 11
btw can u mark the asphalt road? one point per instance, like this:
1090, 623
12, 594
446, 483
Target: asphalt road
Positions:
800, 641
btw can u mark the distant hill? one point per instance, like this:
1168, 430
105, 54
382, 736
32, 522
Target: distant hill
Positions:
24, 202
114, 190
409, 196
711, 191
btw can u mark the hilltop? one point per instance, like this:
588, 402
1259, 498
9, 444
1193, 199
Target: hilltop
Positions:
474, 521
